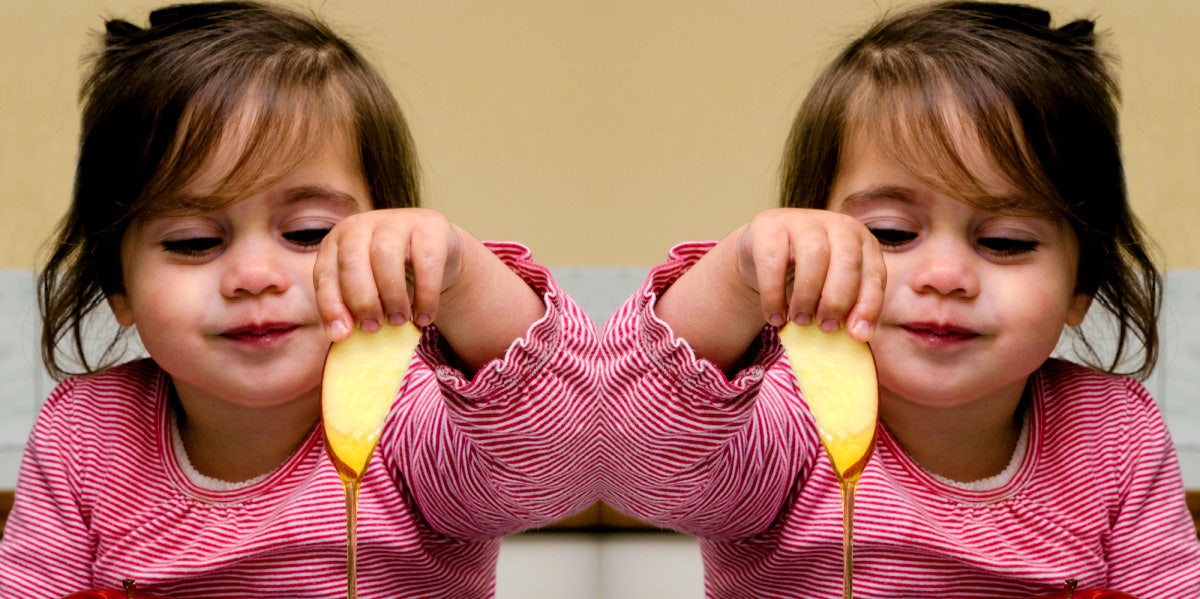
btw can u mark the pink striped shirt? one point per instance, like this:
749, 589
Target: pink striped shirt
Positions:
1097, 497
102, 496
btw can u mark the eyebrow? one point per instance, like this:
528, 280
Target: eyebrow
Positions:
890, 192
187, 205
312, 192
1002, 205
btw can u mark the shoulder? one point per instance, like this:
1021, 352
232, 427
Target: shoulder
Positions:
91, 425
131, 388
1093, 416
1066, 386
129, 376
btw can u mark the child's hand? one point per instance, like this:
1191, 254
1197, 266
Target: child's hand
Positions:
786, 264
386, 265
813, 265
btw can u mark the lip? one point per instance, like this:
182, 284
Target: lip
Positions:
260, 335
939, 335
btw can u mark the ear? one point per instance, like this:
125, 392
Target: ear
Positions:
1078, 308
119, 304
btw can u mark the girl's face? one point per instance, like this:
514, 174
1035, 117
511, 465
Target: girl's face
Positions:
975, 301
224, 301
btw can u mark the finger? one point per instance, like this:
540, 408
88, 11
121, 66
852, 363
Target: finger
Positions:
864, 317
769, 256
429, 250
843, 279
389, 257
811, 262
334, 316
356, 277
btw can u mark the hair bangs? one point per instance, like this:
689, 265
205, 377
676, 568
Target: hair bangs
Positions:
234, 141
962, 139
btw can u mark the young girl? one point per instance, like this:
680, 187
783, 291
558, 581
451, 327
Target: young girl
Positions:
232, 154
953, 194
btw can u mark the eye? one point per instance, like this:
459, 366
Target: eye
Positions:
191, 246
1007, 246
307, 237
892, 237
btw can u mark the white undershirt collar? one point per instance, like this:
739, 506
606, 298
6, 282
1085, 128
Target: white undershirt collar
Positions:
999, 480
201, 480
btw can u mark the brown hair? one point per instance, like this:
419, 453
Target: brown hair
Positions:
160, 102
1039, 100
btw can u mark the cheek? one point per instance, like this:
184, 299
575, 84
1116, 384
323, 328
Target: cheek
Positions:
170, 296
1036, 315
897, 281
300, 267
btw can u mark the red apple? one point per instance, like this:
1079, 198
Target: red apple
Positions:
1069, 592
129, 592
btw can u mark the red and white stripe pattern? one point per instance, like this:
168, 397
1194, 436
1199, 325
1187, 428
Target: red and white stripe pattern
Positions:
1098, 496
101, 495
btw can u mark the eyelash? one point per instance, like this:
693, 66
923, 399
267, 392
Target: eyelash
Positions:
889, 238
1001, 246
307, 237
194, 246
198, 246
1006, 246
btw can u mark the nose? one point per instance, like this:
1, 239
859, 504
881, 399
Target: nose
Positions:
254, 268
945, 267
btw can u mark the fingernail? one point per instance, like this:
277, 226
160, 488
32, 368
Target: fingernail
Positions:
861, 330
338, 330
423, 319
396, 319
370, 325
775, 319
829, 325
803, 319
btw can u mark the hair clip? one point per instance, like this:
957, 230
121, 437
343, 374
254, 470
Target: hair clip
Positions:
1081, 29
179, 13
118, 29
1028, 15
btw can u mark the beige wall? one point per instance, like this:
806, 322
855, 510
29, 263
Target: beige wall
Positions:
599, 132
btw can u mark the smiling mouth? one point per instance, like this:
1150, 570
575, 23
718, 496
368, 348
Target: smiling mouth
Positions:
940, 334
262, 333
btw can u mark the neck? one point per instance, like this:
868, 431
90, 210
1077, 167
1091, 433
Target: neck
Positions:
236, 443
962, 443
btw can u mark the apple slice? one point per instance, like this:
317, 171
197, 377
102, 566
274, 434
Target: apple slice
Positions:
836, 374
363, 374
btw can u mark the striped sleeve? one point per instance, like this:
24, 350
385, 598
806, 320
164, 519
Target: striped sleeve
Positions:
46, 538
689, 448
512, 447
1150, 488
50, 545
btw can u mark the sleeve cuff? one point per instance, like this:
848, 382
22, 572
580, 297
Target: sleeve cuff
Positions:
673, 355
526, 356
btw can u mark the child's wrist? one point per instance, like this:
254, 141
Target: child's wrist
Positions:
741, 287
